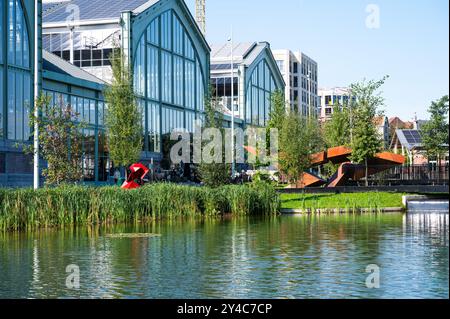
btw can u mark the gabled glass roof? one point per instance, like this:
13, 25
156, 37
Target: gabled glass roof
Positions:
88, 9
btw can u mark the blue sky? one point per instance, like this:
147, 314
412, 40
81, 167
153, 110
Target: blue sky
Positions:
411, 45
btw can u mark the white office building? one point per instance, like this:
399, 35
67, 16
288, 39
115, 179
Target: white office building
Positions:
300, 73
328, 97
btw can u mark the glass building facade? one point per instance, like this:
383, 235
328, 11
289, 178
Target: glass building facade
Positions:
15, 72
260, 87
170, 60
16, 89
169, 80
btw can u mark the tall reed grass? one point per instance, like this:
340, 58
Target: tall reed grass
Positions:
78, 205
348, 203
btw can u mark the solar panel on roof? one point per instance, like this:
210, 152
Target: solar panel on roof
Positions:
412, 137
416, 134
223, 66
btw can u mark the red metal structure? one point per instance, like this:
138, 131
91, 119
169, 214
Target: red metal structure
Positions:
347, 170
136, 177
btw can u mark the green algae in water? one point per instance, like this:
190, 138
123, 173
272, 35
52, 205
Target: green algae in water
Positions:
133, 235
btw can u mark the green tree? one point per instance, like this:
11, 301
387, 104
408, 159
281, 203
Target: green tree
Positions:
336, 132
278, 112
123, 119
366, 141
314, 135
60, 141
214, 174
337, 129
299, 138
434, 133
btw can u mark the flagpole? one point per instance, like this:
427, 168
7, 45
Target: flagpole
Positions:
36, 97
233, 167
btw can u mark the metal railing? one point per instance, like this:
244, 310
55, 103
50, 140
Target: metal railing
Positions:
412, 174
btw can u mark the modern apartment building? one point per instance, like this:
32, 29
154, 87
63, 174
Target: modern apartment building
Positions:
329, 98
300, 73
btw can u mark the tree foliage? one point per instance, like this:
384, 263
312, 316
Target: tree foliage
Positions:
123, 119
214, 174
278, 112
435, 132
366, 141
337, 129
60, 141
299, 138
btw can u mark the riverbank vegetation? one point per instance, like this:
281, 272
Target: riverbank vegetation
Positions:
351, 202
78, 205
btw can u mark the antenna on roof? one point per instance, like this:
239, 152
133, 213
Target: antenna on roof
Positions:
200, 15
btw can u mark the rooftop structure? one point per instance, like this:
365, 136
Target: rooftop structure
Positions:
255, 77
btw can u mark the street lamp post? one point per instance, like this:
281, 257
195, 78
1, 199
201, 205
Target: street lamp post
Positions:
350, 103
36, 97
233, 167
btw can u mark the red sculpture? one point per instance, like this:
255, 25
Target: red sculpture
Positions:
347, 170
136, 176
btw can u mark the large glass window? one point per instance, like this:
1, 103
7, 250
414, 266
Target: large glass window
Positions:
167, 77
18, 84
178, 80
166, 64
261, 85
153, 119
190, 84
1, 101
92, 113
2, 19
152, 73
139, 79
2, 28
166, 30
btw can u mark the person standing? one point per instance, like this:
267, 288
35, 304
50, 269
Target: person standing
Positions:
116, 176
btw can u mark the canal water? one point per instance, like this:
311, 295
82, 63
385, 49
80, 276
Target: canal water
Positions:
282, 257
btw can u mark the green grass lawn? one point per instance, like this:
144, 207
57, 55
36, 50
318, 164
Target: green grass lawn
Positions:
342, 201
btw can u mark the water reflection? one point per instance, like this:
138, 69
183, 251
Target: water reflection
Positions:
284, 257
437, 206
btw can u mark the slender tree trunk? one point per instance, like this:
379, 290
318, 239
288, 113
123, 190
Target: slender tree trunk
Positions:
367, 173
438, 168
